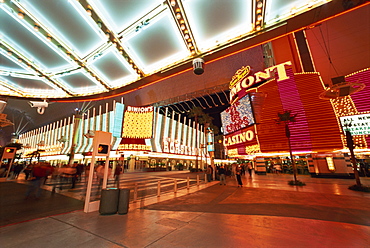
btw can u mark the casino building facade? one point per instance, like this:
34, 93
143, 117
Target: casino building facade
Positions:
146, 140
319, 76
315, 75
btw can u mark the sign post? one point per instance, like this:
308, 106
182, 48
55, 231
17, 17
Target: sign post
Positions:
9, 153
101, 147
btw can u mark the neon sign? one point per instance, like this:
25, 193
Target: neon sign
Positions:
134, 147
138, 122
238, 116
239, 138
174, 146
242, 80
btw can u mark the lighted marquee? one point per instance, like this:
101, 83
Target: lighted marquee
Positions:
238, 116
356, 124
138, 122
243, 80
242, 142
134, 147
174, 146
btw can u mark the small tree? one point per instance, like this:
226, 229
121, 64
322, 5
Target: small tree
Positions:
201, 118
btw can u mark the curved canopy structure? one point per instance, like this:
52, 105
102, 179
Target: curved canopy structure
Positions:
79, 48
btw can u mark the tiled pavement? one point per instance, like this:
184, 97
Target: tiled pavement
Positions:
266, 212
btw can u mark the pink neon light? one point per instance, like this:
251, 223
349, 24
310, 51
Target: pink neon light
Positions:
290, 99
361, 99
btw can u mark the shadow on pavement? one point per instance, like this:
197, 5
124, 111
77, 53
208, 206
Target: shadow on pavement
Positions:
14, 207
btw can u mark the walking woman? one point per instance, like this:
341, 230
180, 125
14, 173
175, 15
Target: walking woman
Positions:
239, 176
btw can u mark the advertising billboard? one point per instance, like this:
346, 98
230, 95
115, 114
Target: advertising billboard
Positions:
238, 116
356, 124
138, 122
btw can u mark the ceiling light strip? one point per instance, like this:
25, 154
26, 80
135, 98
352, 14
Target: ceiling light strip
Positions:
63, 50
259, 7
110, 35
179, 16
5, 84
22, 61
34, 25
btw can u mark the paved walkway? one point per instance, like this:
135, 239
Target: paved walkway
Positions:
266, 212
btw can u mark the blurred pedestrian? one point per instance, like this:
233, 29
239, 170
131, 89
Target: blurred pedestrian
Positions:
79, 171
238, 173
38, 176
222, 174
69, 174
17, 169
209, 173
250, 169
117, 173
27, 171
278, 168
242, 171
100, 174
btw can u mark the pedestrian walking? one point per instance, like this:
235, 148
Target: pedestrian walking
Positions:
38, 177
250, 169
222, 174
209, 173
27, 171
17, 169
117, 173
238, 173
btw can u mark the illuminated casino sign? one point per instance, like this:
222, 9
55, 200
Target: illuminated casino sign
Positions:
242, 142
239, 115
239, 138
174, 146
134, 147
138, 122
243, 80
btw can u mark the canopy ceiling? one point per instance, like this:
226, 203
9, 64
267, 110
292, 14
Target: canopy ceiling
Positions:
69, 48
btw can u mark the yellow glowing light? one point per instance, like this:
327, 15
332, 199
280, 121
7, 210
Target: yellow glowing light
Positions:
138, 125
330, 162
20, 15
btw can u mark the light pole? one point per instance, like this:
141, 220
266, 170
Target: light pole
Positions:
76, 125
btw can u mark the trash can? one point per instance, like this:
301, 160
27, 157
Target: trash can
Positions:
109, 201
124, 199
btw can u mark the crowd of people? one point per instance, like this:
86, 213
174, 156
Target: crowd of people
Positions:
223, 171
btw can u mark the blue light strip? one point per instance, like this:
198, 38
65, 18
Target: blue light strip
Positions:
42, 38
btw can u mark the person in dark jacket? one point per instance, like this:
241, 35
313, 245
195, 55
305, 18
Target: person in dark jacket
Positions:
222, 174
239, 176
17, 169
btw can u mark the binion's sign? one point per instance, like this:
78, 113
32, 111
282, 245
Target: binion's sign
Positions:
244, 80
